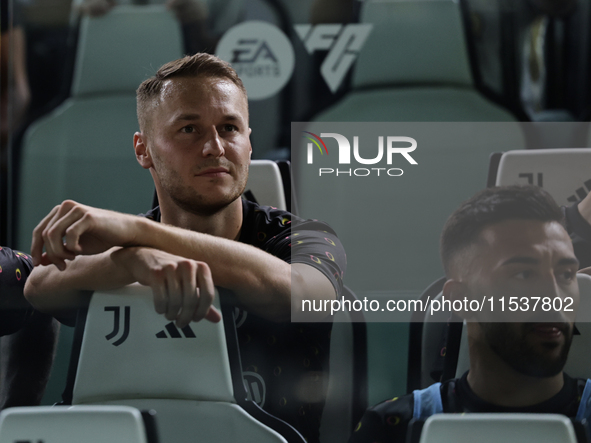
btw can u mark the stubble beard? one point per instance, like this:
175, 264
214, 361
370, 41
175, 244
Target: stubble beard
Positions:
522, 356
190, 200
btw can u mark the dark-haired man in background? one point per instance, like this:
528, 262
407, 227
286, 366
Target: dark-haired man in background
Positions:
503, 242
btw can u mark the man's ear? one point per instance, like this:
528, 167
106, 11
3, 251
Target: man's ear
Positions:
456, 290
141, 150
250, 147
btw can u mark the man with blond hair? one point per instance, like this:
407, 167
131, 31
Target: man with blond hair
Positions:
194, 140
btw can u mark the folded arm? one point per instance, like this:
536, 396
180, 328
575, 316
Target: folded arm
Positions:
261, 281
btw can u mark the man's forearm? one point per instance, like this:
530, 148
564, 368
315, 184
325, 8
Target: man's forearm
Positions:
261, 281
53, 291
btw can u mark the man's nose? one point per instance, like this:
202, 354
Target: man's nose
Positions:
549, 287
212, 145
554, 287
557, 297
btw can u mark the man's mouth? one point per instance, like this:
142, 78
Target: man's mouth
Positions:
213, 172
550, 330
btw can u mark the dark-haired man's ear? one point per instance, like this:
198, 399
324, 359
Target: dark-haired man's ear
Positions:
454, 290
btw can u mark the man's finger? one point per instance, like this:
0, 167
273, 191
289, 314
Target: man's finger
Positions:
45, 261
37, 240
206, 291
75, 231
186, 272
173, 290
53, 246
68, 214
213, 315
160, 297
72, 224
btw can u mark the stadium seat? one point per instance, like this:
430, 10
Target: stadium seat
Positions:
346, 399
426, 341
83, 149
266, 184
413, 74
562, 172
191, 377
426, 79
494, 428
92, 424
425, 76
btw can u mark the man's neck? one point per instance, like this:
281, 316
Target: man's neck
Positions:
494, 381
225, 223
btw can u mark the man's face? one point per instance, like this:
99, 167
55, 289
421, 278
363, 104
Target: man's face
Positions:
198, 143
526, 259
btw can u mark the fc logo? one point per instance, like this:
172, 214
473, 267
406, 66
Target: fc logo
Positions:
343, 43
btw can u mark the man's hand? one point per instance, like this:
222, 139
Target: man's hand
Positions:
72, 229
183, 288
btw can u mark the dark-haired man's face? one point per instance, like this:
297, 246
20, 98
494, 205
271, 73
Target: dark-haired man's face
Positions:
527, 264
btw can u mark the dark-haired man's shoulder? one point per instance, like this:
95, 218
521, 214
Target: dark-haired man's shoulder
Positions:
385, 422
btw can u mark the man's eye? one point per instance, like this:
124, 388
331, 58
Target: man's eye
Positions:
230, 128
524, 275
188, 129
567, 276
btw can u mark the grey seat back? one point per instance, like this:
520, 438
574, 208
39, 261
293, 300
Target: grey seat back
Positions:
116, 424
83, 150
489, 428
425, 77
562, 172
266, 183
131, 355
413, 68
